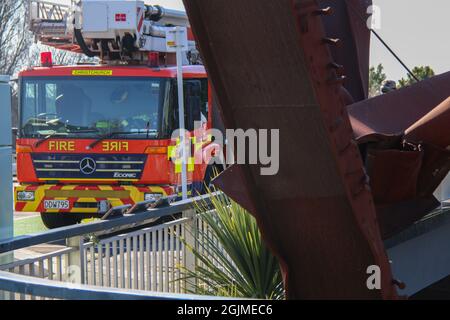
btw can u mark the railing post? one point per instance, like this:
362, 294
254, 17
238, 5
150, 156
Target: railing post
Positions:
75, 261
190, 233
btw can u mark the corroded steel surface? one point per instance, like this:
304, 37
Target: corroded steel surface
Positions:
425, 128
271, 68
395, 112
405, 135
281, 65
348, 23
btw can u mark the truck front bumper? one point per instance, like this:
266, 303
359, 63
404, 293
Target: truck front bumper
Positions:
86, 199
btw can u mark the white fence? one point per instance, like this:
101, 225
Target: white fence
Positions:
150, 259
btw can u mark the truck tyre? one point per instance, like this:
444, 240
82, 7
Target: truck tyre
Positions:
58, 220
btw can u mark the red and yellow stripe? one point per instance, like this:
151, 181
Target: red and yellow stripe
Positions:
115, 195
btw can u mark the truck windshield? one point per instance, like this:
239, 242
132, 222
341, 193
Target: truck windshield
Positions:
93, 107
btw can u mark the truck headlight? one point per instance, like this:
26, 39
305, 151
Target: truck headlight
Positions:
25, 196
152, 196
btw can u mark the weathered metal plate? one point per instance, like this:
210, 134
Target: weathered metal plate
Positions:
270, 68
348, 23
416, 115
395, 112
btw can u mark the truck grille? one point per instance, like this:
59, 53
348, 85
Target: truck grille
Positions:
89, 166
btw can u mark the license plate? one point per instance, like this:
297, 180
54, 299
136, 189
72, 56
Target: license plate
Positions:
56, 204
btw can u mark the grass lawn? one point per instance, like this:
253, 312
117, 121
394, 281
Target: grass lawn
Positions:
28, 226
34, 225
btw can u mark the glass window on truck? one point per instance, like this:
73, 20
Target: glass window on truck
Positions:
195, 104
90, 107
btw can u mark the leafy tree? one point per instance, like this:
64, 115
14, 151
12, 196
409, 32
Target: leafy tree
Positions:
376, 79
421, 72
17, 50
60, 57
15, 38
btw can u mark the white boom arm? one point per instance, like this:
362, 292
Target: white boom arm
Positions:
112, 30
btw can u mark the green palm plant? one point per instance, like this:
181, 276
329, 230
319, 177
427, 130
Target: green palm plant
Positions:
232, 259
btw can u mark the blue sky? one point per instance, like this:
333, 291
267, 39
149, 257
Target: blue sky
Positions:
417, 30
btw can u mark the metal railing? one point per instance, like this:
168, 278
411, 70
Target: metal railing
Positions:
48, 16
108, 255
13, 285
148, 259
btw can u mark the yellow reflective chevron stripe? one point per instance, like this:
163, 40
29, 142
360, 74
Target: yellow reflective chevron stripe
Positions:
190, 165
135, 194
172, 153
178, 165
197, 145
105, 188
117, 196
38, 197
69, 187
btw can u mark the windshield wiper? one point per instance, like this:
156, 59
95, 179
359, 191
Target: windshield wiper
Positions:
51, 135
62, 133
110, 135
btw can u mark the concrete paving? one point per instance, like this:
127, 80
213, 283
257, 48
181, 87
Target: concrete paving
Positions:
34, 251
18, 216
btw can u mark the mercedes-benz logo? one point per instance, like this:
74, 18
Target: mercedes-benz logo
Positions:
88, 166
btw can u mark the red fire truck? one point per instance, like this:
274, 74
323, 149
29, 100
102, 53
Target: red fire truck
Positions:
92, 137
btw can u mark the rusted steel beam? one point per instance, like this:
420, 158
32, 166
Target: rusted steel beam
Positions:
404, 137
395, 112
432, 127
271, 68
348, 21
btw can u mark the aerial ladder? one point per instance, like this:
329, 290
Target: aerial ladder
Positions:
114, 31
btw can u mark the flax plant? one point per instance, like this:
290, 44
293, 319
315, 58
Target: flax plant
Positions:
232, 259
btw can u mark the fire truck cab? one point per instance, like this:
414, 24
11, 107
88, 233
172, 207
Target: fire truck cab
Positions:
94, 137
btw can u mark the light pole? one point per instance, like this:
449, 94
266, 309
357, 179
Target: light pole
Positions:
177, 41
